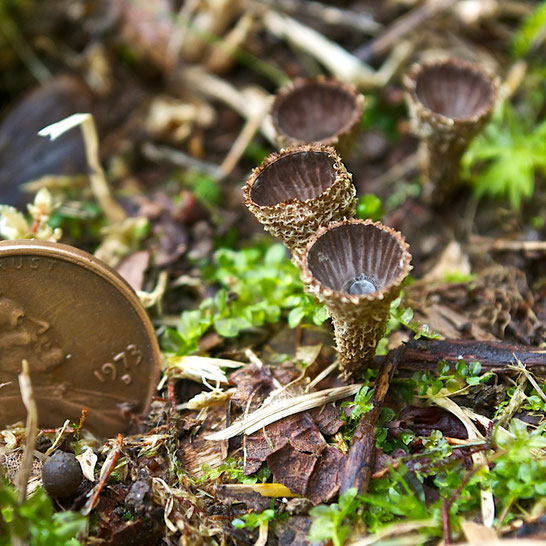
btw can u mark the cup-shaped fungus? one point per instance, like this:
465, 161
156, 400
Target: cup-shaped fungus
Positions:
295, 192
449, 102
356, 268
317, 110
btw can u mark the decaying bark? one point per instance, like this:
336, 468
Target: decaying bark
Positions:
360, 460
494, 356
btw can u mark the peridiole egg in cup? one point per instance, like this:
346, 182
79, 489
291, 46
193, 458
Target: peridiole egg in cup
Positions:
356, 268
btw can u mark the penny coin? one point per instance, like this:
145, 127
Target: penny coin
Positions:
87, 339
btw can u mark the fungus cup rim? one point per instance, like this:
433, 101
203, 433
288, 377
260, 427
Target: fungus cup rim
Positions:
339, 169
410, 83
300, 83
309, 279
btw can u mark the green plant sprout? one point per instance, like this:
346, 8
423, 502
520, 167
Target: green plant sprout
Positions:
503, 160
362, 403
369, 206
464, 375
204, 186
233, 469
34, 522
329, 520
256, 285
400, 316
531, 31
516, 479
257, 519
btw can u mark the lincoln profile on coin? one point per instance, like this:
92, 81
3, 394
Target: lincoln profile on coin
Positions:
87, 339
25, 337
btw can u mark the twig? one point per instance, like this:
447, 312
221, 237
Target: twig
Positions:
171, 395
396, 172
424, 354
358, 469
97, 178
244, 102
176, 157
331, 15
238, 148
229, 47
31, 432
400, 28
339, 61
322, 375
179, 30
486, 244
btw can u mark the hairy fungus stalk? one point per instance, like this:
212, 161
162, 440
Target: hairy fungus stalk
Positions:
295, 192
356, 268
319, 110
449, 102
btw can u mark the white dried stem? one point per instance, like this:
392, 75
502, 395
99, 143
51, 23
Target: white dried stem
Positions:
330, 15
31, 431
242, 141
113, 212
247, 102
339, 61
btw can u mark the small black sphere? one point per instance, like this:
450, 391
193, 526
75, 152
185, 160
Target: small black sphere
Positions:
61, 475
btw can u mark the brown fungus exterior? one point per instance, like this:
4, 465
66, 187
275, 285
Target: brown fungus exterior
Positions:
356, 268
295, 192
449, 102
320, 110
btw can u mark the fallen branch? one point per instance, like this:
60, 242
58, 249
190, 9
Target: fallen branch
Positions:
494, 356
358, 469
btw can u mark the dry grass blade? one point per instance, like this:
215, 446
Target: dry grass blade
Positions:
480, 459
530, 378
277, 410
58, 438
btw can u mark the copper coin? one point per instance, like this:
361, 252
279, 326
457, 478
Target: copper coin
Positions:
87, 339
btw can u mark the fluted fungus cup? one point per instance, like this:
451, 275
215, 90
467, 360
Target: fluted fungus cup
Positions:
295, 192
449, 102
356, 268
320, 110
